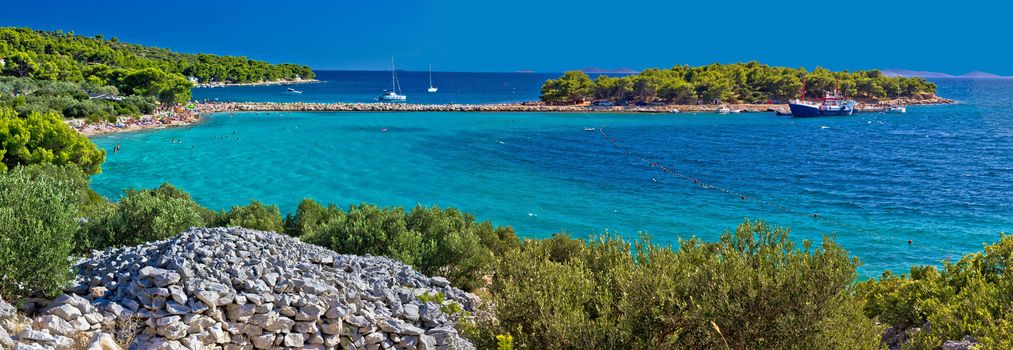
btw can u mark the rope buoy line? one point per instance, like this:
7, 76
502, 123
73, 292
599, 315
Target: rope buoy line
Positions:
704, 185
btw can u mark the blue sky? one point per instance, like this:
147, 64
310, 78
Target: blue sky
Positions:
552, 36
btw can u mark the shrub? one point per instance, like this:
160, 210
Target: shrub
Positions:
143, 216
753, 289
45, 138
973, 296
433, 240
311, 216
37, 209
365, 229
256, 216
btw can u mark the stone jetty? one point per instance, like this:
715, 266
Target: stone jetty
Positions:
508, 107
863, 106
234, 288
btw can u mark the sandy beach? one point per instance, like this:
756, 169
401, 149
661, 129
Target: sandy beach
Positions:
163, 118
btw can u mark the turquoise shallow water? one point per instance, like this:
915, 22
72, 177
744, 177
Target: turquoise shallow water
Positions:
940, 176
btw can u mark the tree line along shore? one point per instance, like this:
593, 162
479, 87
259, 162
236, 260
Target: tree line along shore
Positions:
717, 83
98, 78
753, 288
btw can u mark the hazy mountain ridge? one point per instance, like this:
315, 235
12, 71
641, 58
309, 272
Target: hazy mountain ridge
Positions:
927, 74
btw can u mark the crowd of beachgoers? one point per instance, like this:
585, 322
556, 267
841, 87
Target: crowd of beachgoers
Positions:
163, 117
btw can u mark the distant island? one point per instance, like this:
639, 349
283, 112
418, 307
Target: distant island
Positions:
739, 83
926, 74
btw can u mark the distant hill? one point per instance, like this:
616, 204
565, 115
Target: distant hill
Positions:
914, 73
983, 75
596, 70
926, 74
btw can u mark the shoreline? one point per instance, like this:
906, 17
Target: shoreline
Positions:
541, 107
178, 116
259, 83
166, 118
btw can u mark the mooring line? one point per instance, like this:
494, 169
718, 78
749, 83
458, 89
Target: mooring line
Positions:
707, 186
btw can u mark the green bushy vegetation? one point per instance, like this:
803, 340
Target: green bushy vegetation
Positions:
71, 100
752, 289
126, 78
256, 216
731, 83
68, 57
442, 242
973, 296
43, 138
143, 216
311, 216
38, 206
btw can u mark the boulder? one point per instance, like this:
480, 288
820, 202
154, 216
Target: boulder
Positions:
103, 341
967, 343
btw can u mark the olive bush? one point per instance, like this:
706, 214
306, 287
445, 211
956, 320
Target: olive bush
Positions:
443, 242
143, 216
256, 216
971, 297
752, 289
38, 205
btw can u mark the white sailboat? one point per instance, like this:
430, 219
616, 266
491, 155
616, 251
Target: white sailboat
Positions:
431, 87
394, 93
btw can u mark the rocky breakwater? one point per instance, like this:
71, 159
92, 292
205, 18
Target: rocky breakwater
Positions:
233, 288
508, 107
397, 107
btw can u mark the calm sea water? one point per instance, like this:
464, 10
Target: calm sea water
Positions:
365, 86
940, 176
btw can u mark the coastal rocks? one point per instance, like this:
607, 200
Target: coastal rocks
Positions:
966, 344
66, 322
7, 310
233, 288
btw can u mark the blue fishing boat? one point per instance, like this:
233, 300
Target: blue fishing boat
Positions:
831, 105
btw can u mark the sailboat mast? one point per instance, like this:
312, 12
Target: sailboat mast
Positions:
430, 75
392, 73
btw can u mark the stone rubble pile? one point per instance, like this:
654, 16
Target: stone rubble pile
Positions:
68, 322
234, 288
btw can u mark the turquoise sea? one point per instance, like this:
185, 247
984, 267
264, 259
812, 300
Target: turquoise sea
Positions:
940, 176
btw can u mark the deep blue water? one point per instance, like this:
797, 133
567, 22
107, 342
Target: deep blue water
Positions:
365, 86
940, 176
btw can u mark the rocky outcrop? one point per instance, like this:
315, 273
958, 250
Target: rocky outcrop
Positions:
967, 343
233, 288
